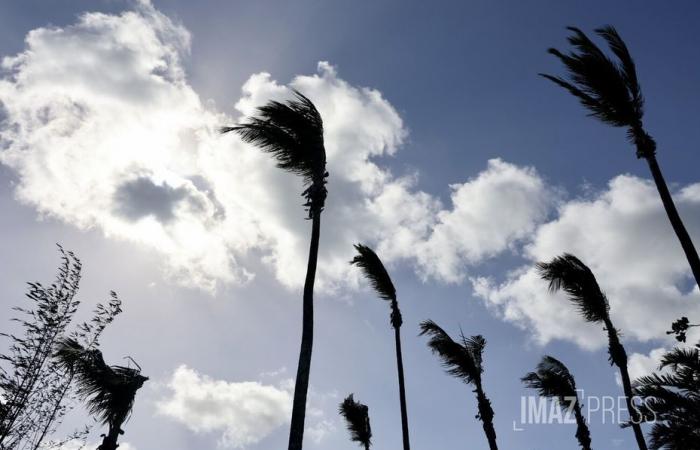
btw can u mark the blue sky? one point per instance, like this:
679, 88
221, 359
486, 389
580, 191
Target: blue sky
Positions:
455, 86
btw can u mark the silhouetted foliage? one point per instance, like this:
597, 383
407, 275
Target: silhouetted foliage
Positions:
37, 391
552, 379
356, 416
569, 274
610, 90
380, 280
293, 133
672, 400
680, 327
109, 391
464, 360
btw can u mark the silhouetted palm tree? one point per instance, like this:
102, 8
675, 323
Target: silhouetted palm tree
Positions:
293, 133
357, 417
375, 272
464, 361
109, 391
611, 91
567, 272
672, 400
553, 379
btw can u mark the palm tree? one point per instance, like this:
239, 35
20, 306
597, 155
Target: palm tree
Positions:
292, 133
567, 272
611, 92
109, 391
357, 417
375, 272
552, 379
672, 400
464, 361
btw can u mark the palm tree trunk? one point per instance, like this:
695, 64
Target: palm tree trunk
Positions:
486, 416
618, 356
301, 387
634, 414
109, 442
583, 435
690, 253
402, 389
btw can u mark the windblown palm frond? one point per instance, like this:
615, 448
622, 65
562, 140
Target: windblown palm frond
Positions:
672, 400
109, 391
292, 132
461, 361
357, 417
375, 272
567, 272
607, 88
551, 379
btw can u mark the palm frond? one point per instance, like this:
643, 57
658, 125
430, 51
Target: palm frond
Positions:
671, 401
357, 420
460, 361
567, 272
292, 132
109, 391
608, 89
375, 272
551, 379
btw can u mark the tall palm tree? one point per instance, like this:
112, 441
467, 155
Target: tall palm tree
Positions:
109, 391
568, 273
611, 92
292, 132
464, 361
672, 400
375, 272
357, 417
552, 379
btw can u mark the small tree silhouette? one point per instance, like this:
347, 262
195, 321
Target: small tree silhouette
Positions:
552, 379
109, 391
37, 390
380, 280
292, 133
567, 272
464, 361
356, 416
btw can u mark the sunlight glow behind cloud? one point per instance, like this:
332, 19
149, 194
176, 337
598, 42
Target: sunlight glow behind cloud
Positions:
104, 132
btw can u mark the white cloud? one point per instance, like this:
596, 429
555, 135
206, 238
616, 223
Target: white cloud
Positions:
640, 365
105, 132
623, 235
244, 412
491, 212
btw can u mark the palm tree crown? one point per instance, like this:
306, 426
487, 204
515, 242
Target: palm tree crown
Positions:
672, 400
110, 391
568, 273
357, 418
607, 88
552, 379
463, 361
379, 278
293, 133
375, 272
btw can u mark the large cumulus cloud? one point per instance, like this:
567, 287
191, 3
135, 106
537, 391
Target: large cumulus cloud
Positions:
104, 131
